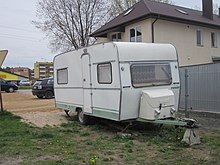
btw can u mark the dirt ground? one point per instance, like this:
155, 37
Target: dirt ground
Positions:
39, 112
42, 112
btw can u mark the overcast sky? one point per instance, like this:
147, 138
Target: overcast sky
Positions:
25, 43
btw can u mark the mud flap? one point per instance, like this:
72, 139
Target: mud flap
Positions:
191, 136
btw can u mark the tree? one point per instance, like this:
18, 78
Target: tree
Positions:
216, 8
68, 23
7, 69
118, 6
165, 1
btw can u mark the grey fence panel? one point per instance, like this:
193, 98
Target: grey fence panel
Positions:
203, 87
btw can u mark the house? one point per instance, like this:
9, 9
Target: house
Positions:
43, 69
195, 34
23, 71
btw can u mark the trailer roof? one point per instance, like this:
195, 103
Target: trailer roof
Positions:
129, 51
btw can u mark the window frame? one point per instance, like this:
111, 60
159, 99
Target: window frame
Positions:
155, 85
99, 75
215, 40
50, 81
58, 75
136, 29
116, 39
201, 38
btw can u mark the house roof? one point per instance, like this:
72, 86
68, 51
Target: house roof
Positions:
152, 9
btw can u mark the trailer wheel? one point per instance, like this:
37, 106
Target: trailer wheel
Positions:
82, 118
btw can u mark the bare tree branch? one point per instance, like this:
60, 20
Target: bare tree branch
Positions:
118, 6
68, 23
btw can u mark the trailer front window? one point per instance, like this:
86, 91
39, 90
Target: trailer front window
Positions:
150, 75
62, 76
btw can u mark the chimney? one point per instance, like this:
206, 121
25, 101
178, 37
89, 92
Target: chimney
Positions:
207, 9
219, 12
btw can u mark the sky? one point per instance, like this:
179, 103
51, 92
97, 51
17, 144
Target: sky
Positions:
27, 44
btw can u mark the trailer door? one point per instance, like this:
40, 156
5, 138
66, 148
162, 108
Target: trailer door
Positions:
87, 85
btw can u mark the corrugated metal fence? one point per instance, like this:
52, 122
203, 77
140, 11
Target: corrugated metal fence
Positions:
203, 87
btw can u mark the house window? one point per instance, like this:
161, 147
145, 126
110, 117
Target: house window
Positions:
143, 75
104, 72
138, 34
116, 37
132, 35
62, 76
214, 40
199, 38
135, 34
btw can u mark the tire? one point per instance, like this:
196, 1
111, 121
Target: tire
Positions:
40, 97
48, 94
82, 118
11, 90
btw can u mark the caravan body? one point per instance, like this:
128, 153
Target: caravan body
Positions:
119, 81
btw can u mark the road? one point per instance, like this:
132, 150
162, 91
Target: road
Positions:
25, 91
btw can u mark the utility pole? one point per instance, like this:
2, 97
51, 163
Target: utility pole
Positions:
186, 93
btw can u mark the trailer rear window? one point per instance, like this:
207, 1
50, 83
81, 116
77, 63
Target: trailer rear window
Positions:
144, 75
62, 76
104, 73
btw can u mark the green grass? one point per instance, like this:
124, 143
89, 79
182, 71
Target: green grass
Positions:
72, 143
24, 87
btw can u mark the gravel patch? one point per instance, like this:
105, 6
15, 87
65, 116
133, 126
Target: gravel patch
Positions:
38, 112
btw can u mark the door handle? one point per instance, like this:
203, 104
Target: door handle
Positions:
84, 79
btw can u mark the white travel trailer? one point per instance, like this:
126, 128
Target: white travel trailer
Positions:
119, 81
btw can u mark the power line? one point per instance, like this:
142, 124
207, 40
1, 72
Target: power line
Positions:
20, 29
21, 38
18, 36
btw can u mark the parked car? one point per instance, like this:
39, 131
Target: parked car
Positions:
43, 88
24, 83
8, 86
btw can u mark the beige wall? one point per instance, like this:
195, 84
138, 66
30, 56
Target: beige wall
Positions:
145, 29
101, 39
183, 37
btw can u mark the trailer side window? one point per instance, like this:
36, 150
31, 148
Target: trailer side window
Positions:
150, 75
104, 72
62, 76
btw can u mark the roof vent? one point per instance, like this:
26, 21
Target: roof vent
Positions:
127, 12
219, 12
181, 11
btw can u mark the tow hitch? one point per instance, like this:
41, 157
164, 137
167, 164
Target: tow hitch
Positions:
191, 135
